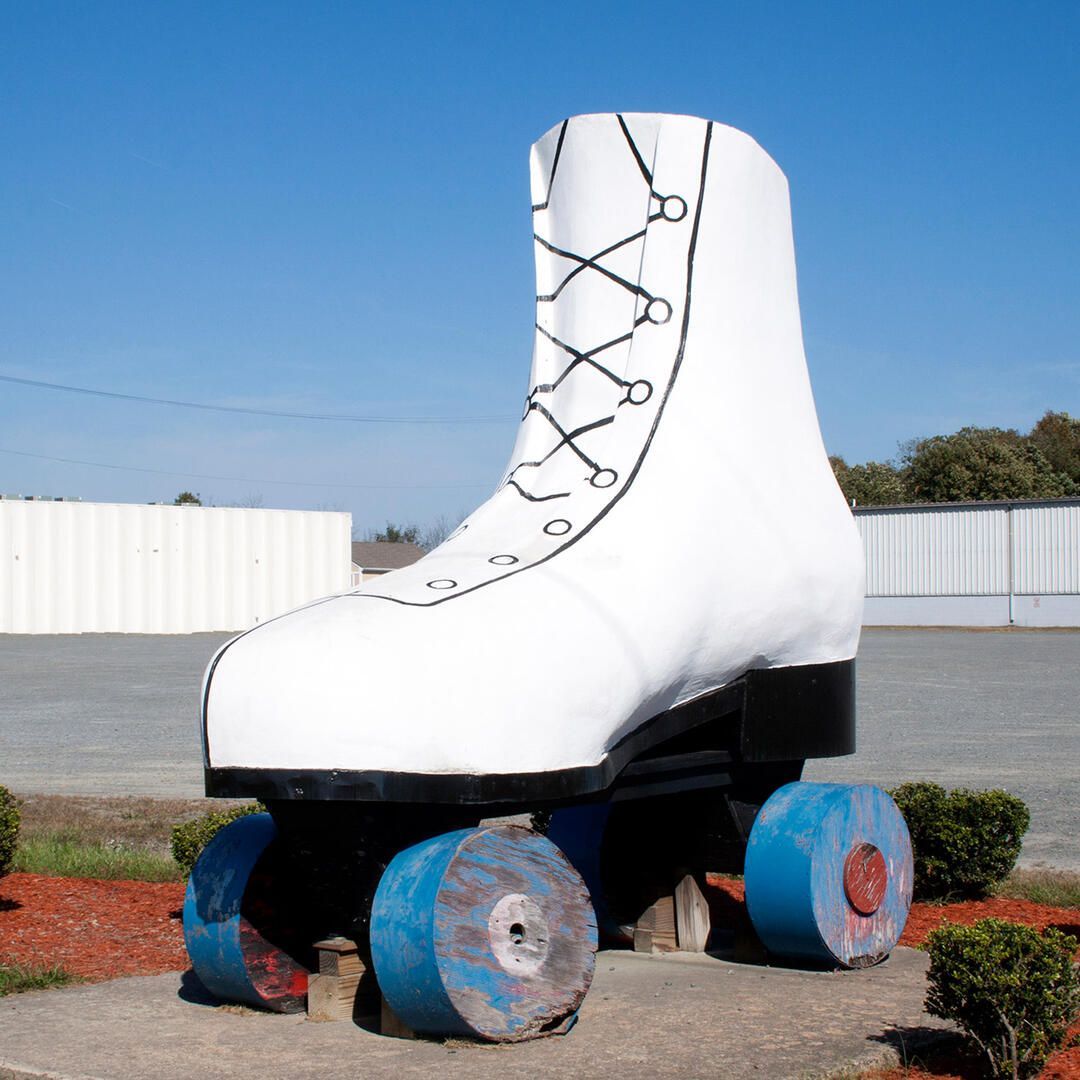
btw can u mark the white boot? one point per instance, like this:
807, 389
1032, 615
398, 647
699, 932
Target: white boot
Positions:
668, 520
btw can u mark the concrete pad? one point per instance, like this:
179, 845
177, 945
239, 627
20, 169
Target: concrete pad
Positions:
645, 1016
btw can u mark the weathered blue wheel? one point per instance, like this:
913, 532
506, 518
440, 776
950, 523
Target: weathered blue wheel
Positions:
578, 831
229, 908
829, 874
486, 933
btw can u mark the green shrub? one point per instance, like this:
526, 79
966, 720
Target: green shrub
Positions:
9, 828
190, 837
1013, 990
965, 842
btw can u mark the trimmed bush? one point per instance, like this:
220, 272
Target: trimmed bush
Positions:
190, 837
1011, 989
965, 842
9, 829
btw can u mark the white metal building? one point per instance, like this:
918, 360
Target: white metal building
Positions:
75, 567
972, 564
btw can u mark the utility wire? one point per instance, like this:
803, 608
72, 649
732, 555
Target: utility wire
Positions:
40, 385
238, 479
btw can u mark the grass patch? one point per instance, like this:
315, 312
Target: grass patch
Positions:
113, 838
15, 978
136, 822
1041, 885
65, 855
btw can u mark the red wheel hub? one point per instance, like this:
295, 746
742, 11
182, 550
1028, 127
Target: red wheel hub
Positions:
866, 877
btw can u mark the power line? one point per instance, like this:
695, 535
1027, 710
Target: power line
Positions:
238, 479
40, 385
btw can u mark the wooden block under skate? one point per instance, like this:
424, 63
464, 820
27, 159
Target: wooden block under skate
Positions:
332, 997
339, 956
341, 981
658, 922
692, 924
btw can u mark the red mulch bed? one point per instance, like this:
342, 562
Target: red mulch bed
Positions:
94, 929
103, 929
925, 917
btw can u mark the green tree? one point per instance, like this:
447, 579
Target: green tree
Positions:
398, 534
977, 464
187, 498
877, 483
1057, 436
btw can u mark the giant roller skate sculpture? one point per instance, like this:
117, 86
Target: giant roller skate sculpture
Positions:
644, 632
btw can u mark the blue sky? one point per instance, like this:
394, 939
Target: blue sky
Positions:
325, 207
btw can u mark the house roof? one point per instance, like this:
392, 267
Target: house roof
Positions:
382, 555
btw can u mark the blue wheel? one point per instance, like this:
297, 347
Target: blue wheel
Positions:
829, 874
578, 831
233, 918
486, 933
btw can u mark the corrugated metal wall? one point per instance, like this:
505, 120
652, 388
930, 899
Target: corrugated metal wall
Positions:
72, 567
1025, 554
964, 550
941, 552
1046, 549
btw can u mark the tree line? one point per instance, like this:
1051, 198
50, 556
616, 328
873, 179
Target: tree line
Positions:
973, 464
424, 536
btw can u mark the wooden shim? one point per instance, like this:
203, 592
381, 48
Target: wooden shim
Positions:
691, 916
659, 922
660, 917
642, 939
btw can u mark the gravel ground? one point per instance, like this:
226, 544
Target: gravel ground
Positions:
115, 714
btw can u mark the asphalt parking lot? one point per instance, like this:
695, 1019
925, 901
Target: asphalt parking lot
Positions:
117, 714
974, 709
